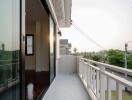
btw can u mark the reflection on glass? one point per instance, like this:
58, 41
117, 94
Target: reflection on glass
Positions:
9, 49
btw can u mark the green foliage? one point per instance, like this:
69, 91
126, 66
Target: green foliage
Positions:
115, 57
96, 57
92, 56
129, 62
112, 56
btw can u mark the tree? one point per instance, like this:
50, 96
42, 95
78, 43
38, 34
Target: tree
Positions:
96, 57
115, 57
75, 51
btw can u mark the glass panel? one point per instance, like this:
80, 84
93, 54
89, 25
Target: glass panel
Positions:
52, 50
9, 49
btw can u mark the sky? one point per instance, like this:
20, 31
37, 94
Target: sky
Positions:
9, 24
108, 22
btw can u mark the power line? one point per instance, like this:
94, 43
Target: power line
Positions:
87, 36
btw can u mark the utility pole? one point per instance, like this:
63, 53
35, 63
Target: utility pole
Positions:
126, 54
125, 64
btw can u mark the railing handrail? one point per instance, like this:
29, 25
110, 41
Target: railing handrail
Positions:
112, 67
115, 77
97, 79
119, 79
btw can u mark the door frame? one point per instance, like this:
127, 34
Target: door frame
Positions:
22, 50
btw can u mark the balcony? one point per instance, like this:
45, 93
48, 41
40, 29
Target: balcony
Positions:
83, 79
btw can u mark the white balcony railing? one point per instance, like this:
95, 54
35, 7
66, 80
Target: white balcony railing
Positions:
99, 79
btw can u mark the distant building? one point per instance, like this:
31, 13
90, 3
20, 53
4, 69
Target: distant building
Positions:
65, 47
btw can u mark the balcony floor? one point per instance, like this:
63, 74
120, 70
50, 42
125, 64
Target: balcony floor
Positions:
66, 87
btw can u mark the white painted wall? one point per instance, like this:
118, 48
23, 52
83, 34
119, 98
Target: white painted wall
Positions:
67, 64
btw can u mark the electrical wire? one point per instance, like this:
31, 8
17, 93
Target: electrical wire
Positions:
86, 36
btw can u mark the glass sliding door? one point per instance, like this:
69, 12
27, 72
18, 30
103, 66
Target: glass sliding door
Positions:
9, 49
52, 49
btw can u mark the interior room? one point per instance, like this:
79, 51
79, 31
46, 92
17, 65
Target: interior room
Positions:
37, 47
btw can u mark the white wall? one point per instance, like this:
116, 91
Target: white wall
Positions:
67, 64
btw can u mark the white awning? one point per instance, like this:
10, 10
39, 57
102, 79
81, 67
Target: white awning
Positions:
62, 11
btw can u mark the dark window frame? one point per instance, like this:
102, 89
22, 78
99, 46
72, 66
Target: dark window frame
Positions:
54, 46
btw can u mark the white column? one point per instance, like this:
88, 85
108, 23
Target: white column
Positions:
88, 75
119, 91
91, 74
97, 84
108, 88
102, 84
94, 87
